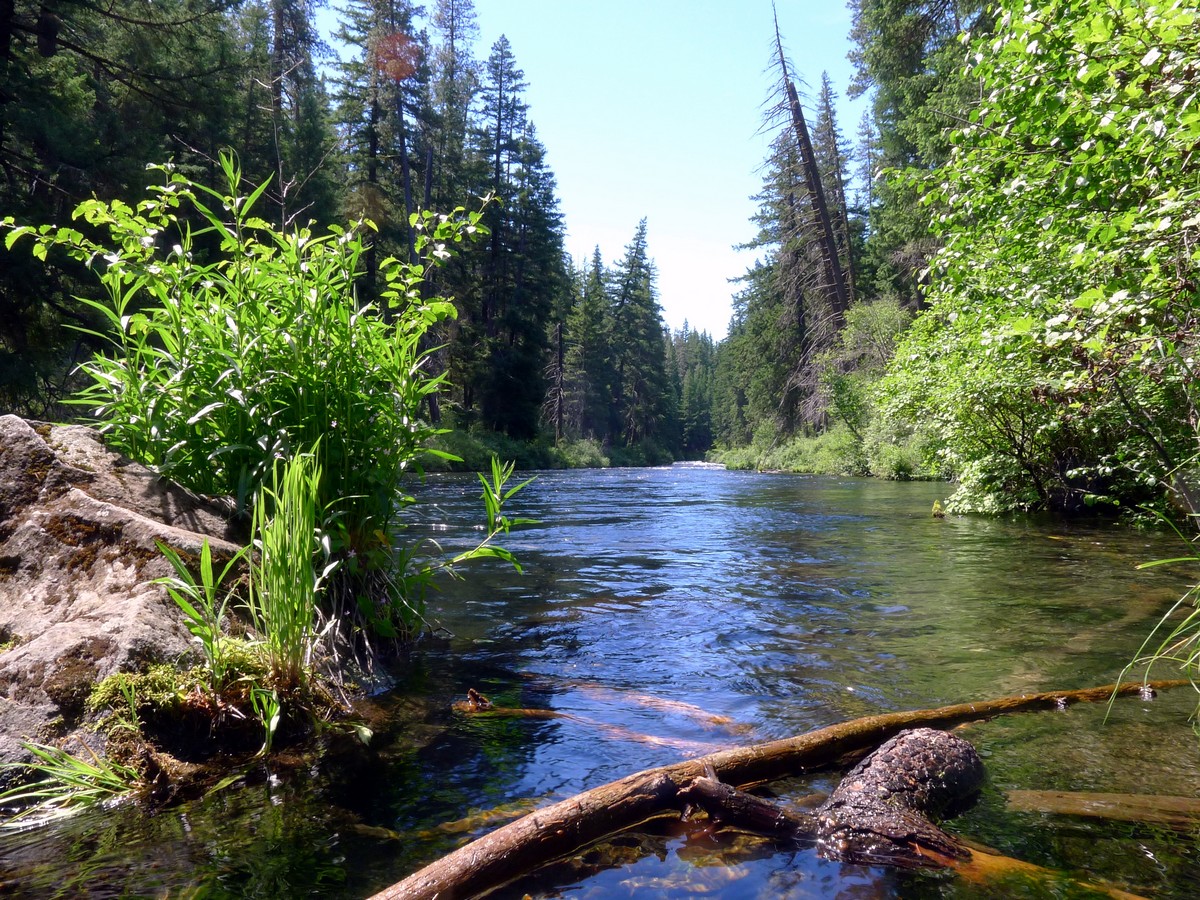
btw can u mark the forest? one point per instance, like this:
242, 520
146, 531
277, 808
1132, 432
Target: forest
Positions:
992, 283
280, 280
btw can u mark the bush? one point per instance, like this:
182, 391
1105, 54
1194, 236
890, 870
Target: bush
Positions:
582, 454
234, 344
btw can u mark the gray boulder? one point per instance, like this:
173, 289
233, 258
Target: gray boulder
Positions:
78, 525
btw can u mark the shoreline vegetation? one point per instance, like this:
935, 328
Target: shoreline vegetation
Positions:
1008, 304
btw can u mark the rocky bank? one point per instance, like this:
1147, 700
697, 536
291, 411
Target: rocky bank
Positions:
78, 525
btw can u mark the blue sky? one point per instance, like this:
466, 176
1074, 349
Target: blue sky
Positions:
654, 109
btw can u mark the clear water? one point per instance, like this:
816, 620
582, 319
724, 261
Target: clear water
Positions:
653, 600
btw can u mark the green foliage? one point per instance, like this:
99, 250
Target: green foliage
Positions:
284, 584
203, 605
1058, 360
218, 367
833, 452
131, 694
583, 454
68, 782
419, 569
269, 710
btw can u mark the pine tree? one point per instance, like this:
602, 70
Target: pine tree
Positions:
455, 81
832, 157
642, 399
907, 56
383, 103
588, 372
87, 99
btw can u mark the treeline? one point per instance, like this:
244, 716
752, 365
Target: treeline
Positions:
407, 119
1021, 246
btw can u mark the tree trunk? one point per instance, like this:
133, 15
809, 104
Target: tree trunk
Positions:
839, 299
570, 825
881, 814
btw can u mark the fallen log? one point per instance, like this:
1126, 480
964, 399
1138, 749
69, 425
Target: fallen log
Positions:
1173, 812
565, 827
884, 812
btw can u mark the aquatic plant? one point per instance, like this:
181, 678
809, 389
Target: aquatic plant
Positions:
284, 583
421, 564
1175, 639
69, 782
204, 615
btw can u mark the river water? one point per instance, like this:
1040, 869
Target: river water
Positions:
666, 612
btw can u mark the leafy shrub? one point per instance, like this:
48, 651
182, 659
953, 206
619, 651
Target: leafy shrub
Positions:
582, 454
233, 344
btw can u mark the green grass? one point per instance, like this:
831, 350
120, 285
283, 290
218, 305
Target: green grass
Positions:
68, 782
284, 583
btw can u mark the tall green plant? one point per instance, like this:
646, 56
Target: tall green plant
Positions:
233, 343
284, 583
203, 605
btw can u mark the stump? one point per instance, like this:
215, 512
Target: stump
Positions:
882, 813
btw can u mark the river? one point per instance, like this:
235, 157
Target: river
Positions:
668, 611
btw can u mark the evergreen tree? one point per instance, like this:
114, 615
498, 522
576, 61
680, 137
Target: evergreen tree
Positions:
382, 98
642, 407
588, 372
89, 93
832, 157
907, 55
455, 81
695, 361
500, 345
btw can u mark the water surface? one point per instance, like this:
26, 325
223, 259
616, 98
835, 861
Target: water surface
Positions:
652, 601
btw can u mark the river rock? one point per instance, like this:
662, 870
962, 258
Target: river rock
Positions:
78, 525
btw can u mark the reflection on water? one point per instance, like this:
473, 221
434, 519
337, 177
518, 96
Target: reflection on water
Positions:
665, 611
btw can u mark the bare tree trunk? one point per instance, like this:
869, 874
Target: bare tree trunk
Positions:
834, 276
406, 176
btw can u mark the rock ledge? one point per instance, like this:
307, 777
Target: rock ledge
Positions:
78, 525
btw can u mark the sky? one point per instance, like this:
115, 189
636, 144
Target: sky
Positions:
654, 109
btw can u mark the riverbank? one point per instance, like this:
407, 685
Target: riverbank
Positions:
840, 451
475, 449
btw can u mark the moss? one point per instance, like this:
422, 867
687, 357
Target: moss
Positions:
70, 686
88, 536
8, 640
159, 686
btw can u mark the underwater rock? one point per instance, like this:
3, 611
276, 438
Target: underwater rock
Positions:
78, 525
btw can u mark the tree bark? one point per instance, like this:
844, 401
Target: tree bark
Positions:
838, 294
883, 811
570, 825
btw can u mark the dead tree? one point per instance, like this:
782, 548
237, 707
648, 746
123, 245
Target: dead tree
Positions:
835, 276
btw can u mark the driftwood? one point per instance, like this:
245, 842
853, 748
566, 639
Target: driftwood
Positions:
1173, 812
565, 827
881, 814
884, 812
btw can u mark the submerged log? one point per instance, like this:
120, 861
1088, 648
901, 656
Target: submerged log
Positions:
882, 813
570, 825
1173, 812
